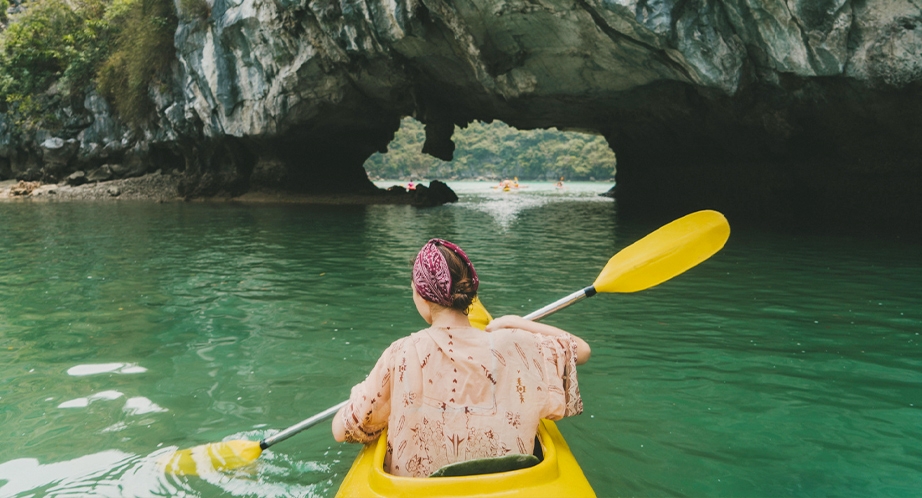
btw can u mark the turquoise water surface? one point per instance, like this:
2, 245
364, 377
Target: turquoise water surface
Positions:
786, 365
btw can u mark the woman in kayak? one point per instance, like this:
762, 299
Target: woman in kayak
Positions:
451, 392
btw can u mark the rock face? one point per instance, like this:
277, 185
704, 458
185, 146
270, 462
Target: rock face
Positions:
770, 109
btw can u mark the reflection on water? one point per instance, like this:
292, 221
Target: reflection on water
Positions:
504, 206
106, 473
113, 473
783, 366
123, 368
84, 402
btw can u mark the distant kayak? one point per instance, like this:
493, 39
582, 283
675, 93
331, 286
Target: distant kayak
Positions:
509, 185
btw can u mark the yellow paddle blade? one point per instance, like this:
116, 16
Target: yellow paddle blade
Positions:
478, 314
665, 253
211, 457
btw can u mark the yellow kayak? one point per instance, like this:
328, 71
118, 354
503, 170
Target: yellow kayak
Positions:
557, 475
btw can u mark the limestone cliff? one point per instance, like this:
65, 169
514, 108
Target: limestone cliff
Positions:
770, 109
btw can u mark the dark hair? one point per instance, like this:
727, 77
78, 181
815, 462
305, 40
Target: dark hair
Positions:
462, 284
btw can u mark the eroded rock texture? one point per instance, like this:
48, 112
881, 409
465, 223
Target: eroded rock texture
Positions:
766, 109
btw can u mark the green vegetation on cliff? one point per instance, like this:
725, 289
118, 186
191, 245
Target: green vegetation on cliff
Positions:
55, 49
142, 52
496, 151
50, 43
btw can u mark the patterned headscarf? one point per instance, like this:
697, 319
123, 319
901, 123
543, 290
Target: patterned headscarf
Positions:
430, 272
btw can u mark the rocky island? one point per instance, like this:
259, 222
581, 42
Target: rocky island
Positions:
769, 111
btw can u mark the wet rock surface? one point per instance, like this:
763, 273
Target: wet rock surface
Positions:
150, 187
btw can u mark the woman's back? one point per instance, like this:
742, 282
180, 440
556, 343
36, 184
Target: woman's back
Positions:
457, 395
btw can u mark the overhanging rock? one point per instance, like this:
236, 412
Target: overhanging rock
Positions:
775, 110
770, 110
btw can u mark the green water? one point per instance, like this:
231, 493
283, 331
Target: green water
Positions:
784, 366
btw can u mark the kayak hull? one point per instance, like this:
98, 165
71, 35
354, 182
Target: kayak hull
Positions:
558, 474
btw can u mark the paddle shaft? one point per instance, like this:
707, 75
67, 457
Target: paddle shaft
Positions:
561, 304
302, 425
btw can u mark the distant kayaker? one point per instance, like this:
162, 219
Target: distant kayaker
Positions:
451, 392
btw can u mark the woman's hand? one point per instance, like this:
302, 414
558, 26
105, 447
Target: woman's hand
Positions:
507, 322
339, 430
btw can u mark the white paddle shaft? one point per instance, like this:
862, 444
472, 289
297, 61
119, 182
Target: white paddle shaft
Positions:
300, 426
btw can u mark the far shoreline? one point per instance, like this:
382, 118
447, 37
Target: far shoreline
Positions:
164, 187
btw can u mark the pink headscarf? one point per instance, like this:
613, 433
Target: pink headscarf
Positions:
430, 272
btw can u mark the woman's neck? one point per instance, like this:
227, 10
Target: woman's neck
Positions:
449, 318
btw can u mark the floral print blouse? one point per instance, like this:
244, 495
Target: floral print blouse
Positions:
450, 395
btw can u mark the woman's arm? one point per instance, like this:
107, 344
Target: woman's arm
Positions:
583, 352
371, 399
339, 430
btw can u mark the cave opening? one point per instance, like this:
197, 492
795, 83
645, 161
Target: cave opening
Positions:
489, 151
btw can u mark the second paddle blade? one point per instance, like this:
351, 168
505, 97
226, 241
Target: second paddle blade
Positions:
665, 253
478, 315
213, 457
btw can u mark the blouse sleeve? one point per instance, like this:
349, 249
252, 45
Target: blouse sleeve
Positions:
559, 354
369, 407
